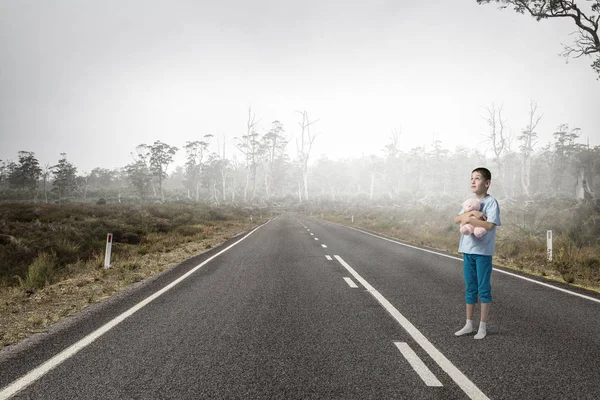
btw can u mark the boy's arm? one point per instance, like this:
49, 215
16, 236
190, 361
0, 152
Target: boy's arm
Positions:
465, 218
484, 224
461, 219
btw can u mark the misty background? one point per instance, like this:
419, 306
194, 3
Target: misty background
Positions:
396, 100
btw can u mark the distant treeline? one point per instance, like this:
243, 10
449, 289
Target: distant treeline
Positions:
266, 174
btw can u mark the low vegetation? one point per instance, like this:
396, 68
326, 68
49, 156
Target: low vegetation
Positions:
52, 256
521, 241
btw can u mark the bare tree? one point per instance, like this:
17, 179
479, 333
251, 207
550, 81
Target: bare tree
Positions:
528, 139
193, 167
438, 155
497, 136
224, 167
235, 166
250, 146
586, 42
273, 143
45, 177
392, 164
212, 176
304, 147
375, 165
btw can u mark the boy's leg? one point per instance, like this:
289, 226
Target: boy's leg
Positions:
470, 310
470, 275
484, 273
485, 312
471, 282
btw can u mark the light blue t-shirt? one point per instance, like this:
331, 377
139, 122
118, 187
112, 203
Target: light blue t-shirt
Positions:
485, 245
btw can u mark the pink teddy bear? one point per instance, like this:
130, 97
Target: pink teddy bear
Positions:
471, 204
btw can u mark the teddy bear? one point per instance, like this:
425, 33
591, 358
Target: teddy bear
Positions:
471, 204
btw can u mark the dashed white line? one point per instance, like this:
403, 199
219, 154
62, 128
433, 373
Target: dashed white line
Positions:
417, 364
311, 234
316, 238
461, 380
350, 282
53, 362
329, 258
324, 246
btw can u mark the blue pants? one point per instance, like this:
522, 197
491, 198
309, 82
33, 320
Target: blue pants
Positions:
477, 270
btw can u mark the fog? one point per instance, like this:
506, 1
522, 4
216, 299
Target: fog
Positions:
95, 80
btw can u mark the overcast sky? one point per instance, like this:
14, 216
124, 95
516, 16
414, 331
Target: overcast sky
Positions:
94, 79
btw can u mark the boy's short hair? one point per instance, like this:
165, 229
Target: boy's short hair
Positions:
485, 173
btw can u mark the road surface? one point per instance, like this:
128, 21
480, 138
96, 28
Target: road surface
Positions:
301, 308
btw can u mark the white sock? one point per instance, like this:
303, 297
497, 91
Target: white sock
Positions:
468, 328
482, 330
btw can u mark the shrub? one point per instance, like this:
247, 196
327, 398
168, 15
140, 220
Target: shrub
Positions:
40, 272
162, 226
131, 266
183, 219
67, 251
15, 256
188, 230
130, 238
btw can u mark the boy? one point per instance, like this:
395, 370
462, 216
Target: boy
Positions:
477, 252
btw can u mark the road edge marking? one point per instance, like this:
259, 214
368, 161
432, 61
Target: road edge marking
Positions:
350, 282
418, 365
457, 376
494, 268
24, 381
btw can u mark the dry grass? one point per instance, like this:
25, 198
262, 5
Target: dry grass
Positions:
66, 276
24, 311
520, 242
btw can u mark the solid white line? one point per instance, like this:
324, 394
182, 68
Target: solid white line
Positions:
548, 285
324, 246
418, 365
329, 258
495, 269
350, 282
52, 363
461, 380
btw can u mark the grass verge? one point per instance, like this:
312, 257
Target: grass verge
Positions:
577, 264
41, 299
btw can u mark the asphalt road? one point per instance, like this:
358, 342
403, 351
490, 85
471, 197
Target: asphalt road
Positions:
305, 309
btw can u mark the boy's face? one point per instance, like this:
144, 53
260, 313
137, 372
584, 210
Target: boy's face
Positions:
479, 185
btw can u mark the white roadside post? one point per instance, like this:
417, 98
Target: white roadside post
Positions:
352, 218
109, 238
549, 244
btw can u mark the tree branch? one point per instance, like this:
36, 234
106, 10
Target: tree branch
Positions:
588, 42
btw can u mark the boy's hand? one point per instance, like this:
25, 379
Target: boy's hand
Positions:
478, 215
464, 218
